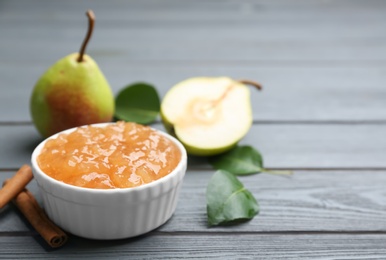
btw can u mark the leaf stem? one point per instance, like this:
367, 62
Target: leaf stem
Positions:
91, 22
251, 83
285, 173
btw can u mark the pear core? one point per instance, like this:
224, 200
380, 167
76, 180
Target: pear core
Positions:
208, 115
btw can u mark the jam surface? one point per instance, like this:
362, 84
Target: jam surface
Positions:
119, 155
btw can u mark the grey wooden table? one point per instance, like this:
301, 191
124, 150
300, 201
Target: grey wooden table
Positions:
322, 114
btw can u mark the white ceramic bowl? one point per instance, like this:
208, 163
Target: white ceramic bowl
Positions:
110, 213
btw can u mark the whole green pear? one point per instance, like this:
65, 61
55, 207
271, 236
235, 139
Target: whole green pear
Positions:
71, 93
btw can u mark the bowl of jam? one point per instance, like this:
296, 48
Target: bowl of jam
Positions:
111, 180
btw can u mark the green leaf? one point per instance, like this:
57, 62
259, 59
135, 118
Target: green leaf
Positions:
240, 160
228, 202
138, 103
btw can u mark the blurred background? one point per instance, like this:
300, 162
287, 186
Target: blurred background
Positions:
318, 60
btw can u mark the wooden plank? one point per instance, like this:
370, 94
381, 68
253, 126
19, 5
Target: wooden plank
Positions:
230, 246
197, 11
292, 91
17, 144
299, 93
283, 146
244, 43
277, 32
309, 201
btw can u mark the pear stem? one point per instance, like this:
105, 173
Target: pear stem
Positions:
251, 83
91, 22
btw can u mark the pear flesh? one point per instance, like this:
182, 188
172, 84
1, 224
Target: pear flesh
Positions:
70, 94
208, 115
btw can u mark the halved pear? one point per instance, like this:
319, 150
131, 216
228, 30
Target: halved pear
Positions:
208, 115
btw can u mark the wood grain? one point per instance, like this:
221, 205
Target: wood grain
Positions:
322, 146
309, 201
304, 66
172, 246
259, 31
290, 93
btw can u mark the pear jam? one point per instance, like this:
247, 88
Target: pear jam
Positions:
118, 155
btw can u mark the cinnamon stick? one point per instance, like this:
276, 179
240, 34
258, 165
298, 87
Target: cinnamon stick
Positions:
15, 185
52, 234
14, 189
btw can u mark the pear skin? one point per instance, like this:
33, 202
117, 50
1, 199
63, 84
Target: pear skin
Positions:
70, 94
